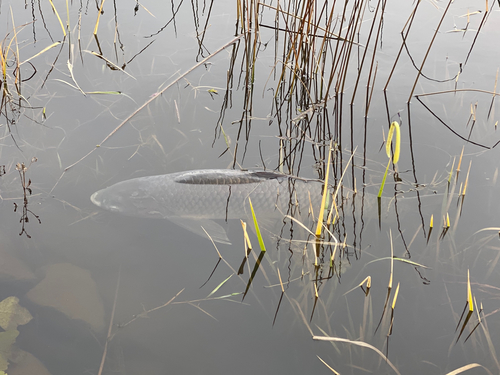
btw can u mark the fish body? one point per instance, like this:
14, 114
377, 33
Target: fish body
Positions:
207, 195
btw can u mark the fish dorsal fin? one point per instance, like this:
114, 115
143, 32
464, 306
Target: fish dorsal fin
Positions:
225, 177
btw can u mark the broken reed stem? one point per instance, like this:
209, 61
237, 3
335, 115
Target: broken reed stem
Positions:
459, 90
486, 14
410, 22
59, 18
98, 17
428, 50
365, 53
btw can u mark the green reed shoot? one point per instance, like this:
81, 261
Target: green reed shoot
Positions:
219, 286
389, 287
257, 229
395, 158
470, 304
431, 226
467, 179
469, 293
319, 227
395, 297
254, 272
460, 162
451, 172
325, 193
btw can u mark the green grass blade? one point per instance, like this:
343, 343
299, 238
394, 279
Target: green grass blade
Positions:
219, 286
383, 180
257, 229
325, 192
389, 141
397, 149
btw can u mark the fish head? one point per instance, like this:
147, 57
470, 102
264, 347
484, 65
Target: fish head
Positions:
109, 201
128, 198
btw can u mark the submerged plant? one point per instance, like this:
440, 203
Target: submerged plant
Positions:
22, 169
397, 149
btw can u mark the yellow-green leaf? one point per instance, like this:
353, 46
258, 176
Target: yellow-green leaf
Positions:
395, 297
389, 140
257, 229
393, 129
325, 192
397, 150
7, 339
469, 293
12, 314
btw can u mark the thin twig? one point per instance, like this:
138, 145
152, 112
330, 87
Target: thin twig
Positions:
428, 50
146, 312
459, 90
108, 338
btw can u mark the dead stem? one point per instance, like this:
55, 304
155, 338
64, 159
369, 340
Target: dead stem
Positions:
110, 327
428, 50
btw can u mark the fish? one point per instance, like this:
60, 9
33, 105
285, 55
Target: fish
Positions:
194, 199
198, 200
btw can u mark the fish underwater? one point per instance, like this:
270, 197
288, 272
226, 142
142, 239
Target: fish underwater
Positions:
194, 199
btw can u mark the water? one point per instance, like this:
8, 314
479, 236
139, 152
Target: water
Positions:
154, 259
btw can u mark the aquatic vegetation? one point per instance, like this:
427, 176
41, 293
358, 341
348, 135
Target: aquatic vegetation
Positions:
104, 92
394, 129
12, 315
27, 191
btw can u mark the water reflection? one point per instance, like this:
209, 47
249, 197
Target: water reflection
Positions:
91, 95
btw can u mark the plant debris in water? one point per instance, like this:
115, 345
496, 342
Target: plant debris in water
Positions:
27, 191
325, 92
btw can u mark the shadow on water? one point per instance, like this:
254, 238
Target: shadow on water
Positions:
303, 92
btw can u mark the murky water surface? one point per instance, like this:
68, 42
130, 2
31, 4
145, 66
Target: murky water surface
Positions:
115, 294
